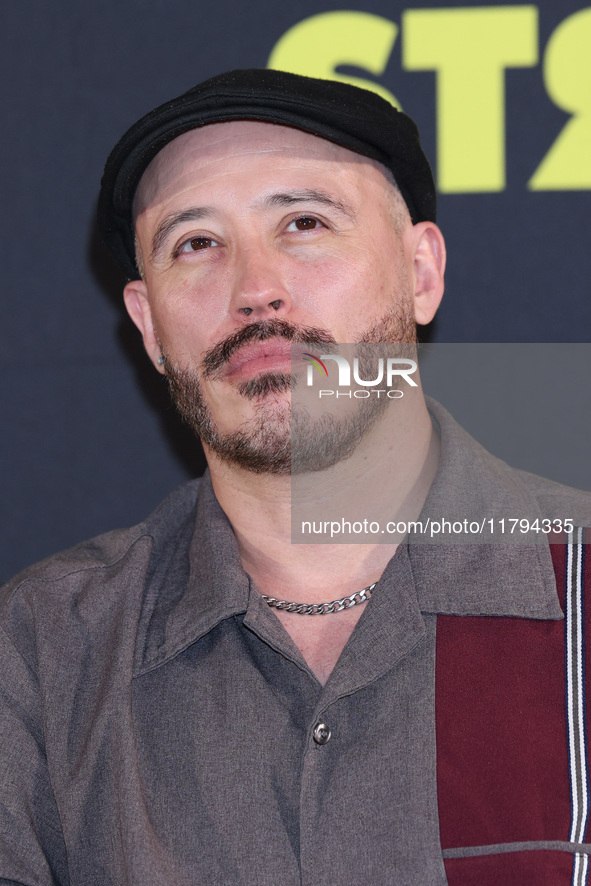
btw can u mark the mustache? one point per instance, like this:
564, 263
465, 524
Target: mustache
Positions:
219, 355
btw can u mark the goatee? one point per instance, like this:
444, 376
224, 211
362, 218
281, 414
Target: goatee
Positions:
278, 439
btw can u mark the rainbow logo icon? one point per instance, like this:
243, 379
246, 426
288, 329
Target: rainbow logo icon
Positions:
317, 362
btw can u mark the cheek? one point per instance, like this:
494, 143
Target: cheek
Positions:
342, 289
188, 319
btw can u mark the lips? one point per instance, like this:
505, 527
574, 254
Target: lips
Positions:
272, 355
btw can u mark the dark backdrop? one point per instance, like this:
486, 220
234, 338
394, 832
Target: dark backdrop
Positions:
89, 441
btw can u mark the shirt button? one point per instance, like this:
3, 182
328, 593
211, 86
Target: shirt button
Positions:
321, 733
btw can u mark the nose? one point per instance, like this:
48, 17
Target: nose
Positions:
259, 291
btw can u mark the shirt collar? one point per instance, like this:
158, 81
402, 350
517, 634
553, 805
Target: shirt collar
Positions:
510, 579
517, 580
182, 603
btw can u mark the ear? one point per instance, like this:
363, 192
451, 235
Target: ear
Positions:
429, 268
138, 307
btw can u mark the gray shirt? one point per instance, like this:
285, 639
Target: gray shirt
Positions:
158, 725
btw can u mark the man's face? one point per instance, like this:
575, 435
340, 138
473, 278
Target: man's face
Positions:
253, 236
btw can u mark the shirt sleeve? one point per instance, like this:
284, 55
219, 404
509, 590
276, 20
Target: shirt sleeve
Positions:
32, 847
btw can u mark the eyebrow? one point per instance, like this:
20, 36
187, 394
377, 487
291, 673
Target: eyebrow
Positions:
172, 221
306, 195
289, 198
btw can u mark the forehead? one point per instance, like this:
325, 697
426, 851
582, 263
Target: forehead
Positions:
220, 150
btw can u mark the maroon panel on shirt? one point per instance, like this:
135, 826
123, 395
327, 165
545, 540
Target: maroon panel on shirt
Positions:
502, 758
532, 868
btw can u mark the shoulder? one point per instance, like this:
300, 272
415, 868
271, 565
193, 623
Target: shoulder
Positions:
104, 568
555, 500
472, 480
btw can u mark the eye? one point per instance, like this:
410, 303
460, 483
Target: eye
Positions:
304, 223
194, 244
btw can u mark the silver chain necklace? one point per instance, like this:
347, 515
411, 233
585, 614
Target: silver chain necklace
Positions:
322, 608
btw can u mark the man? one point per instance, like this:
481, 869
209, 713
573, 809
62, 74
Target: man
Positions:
163, 721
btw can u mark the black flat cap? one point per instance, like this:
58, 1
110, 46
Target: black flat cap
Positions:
347, 115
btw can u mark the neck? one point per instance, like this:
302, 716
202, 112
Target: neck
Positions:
387, 478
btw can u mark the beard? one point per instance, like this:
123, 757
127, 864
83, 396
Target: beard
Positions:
279, 439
